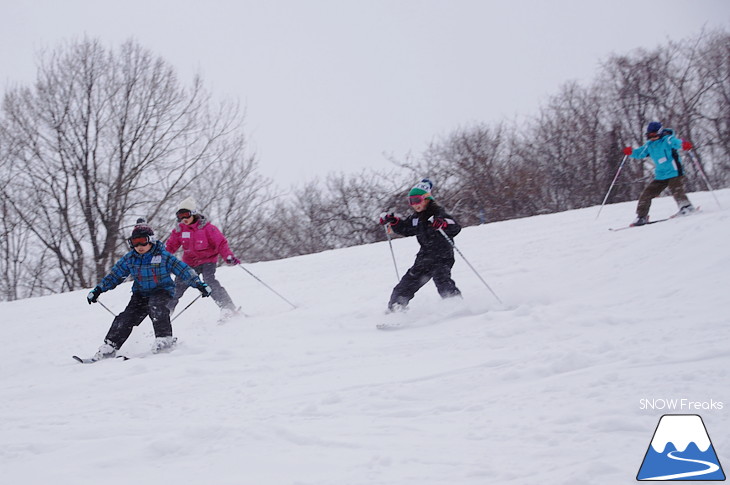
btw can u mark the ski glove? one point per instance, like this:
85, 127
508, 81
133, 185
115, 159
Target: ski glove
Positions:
628, 151
686, 145
439, 223
204, 289
390, 219
232, 260
93, 295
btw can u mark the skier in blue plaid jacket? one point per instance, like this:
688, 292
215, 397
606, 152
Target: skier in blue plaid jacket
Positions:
151, 267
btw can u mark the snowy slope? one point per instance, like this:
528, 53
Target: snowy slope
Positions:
545, 389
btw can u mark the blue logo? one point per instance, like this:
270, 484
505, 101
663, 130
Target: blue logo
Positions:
681, 450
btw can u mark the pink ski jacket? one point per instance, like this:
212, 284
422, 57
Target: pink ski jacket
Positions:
201, 241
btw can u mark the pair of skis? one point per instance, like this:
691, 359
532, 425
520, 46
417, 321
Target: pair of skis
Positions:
164, 350
237, 312
654, 222
614, 229
92, 360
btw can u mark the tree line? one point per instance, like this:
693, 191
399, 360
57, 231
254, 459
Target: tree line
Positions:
108, 135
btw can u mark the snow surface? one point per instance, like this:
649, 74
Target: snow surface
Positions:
549, 388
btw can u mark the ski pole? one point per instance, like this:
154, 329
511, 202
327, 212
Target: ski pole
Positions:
106, 308
267, 286
189, 305
704, 176
451, 241
392, 253
612, 184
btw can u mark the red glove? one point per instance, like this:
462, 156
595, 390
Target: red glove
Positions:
628, 151
232, 260
439, 223
389, 219
686, 145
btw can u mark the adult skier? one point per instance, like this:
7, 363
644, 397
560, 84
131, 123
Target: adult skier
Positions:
436, 256
662, 147
150, 265
202, 243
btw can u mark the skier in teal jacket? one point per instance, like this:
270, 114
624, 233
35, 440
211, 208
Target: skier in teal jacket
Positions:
662, 146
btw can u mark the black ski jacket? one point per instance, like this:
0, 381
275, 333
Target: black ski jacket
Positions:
433, 244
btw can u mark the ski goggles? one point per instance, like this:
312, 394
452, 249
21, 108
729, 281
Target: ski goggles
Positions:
416, 199
183, 215
139, 241
652, 136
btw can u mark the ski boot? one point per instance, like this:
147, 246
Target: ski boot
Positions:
106, 351
163, 344
397, 307
685, 210
640, 221
228, 313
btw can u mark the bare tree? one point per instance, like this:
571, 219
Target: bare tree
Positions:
13, 238
343, 211
104, 136
295, 225
710, 121
235, 198
469, 168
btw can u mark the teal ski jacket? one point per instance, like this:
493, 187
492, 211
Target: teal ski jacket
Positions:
664, 152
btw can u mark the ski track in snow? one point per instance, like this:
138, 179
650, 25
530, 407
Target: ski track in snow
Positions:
542, 389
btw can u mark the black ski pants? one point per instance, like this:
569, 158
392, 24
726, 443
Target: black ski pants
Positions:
219, 294
423, 270
153, 304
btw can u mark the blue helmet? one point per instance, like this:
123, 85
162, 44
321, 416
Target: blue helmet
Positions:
653, 127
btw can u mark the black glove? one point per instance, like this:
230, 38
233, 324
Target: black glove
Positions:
204, 289
388, 219
231, 260
93, 295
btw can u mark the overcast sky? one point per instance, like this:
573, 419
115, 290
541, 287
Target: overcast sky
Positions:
333, 85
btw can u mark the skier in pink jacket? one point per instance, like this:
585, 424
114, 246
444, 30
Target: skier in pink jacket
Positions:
202, 243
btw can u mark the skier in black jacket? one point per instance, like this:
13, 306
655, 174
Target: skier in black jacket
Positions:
436, 256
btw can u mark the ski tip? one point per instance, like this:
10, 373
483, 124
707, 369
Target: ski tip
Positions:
82, 360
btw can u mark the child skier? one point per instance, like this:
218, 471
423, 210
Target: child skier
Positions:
436, 256
662, 147
202, 243
150, 265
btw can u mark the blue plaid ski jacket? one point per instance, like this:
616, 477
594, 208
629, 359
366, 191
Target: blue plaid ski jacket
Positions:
150, 271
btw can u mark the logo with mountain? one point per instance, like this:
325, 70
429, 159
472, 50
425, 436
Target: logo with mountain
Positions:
681, 450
